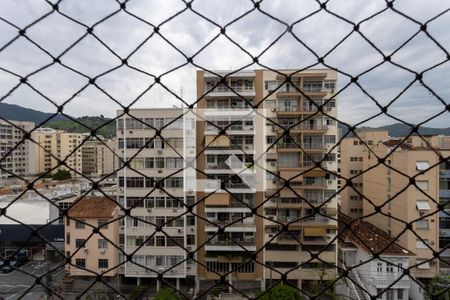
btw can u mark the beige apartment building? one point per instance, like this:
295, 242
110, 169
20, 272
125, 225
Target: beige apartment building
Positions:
17, 154
98, 158
387, 186
54, 145
155, 185
352, 153
92, 254
255, 144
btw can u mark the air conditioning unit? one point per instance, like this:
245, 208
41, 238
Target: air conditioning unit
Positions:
159, 171
102, 251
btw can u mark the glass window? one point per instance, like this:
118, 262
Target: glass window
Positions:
80, 262
79, 243
102, 244
79, 224
103, 263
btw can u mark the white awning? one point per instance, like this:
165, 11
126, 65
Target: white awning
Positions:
424, 266
422, 165
423, 205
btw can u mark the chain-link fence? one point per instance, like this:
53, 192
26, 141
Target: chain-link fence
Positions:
253, 185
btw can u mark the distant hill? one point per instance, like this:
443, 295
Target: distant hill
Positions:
107, 131
399, 129
19, 113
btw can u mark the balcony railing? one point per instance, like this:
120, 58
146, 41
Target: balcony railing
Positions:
215, 223
385, 281
317, 219
235, 242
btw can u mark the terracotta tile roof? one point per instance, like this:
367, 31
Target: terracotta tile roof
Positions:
6, 192
93, 207
369, 238
407, 146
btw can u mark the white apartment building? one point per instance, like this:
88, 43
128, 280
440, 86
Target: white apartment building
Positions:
19, 161
154, 187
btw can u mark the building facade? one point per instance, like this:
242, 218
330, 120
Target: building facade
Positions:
290, 136
92, 254
160, 231
98, 157
401, 201
54, 146
17, 154
352, 150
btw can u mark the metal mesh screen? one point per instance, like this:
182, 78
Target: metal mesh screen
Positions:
67, 68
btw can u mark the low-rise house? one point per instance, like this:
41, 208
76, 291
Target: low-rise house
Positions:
381, 276
92, 252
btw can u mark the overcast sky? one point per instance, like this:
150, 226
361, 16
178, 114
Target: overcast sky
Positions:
254, 32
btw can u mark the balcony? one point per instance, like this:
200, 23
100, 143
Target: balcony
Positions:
444, 193
444, 173
224, 91
314, 147
229, 245
316, 219
314, 127
386, 280
215, 223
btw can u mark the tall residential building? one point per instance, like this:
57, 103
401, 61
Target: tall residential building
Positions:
98, 157
250, 155
54, 145
442, 143
19, 161
388, 187
352, 152
154, 185
412, 156
92, 253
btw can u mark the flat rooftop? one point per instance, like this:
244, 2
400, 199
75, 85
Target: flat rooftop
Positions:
28, 211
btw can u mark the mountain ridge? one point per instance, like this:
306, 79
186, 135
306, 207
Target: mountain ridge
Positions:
19, 113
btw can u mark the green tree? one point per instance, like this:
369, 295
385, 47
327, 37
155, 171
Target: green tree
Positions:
280, 292
166, 294
440, 288
62, 175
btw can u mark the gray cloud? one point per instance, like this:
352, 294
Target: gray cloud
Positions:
189, 33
